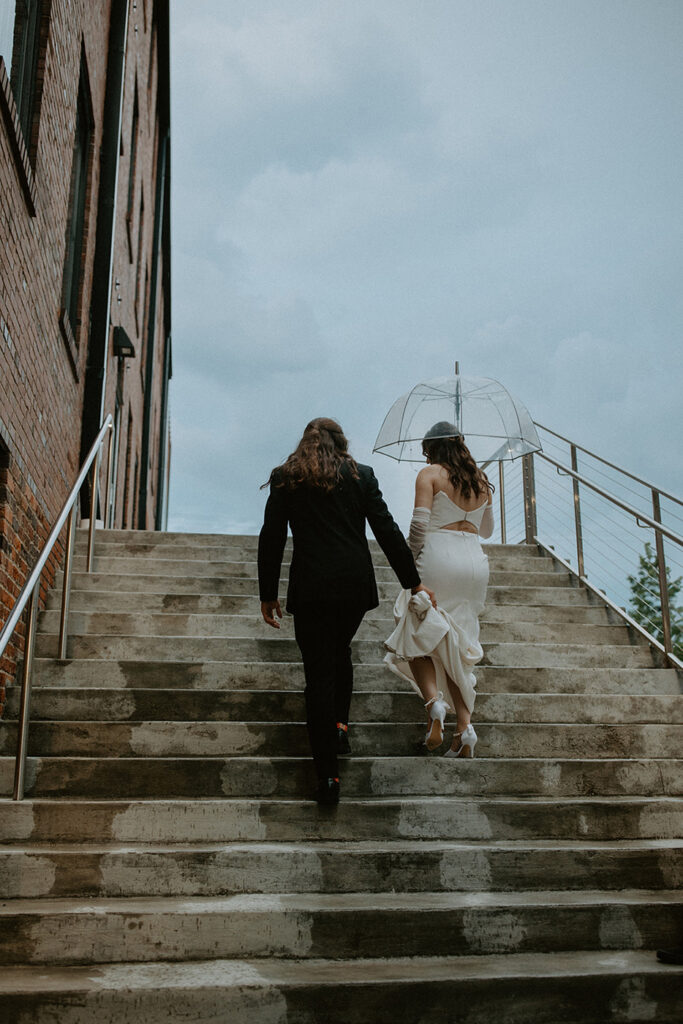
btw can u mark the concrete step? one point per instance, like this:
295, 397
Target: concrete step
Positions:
149, 540
171, 625
116, 870
268, 675
277, 647
170, 539
574, 988
316, 925
563, 601
500, 559
200, 820
174, 704
379, 739
213, 583
291, 778
230, 564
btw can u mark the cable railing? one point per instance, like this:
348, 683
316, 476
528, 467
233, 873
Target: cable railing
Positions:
30, 595
621, 536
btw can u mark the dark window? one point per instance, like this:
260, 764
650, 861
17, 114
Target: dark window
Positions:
4, 492
77, 203
19, 41
138, 271
135, 494
133, 154
126, 478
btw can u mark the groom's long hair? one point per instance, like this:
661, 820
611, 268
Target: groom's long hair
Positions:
317, 460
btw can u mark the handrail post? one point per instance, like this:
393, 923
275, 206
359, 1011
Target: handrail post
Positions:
94, 492
663, 582
25, 698
66, 585
529, 484
501, 485
110, 447
577, 514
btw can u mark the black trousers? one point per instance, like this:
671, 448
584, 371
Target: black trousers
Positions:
324, 635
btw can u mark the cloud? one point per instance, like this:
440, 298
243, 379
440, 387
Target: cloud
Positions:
363, 193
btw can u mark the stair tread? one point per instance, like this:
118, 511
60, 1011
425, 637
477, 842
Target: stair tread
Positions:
374, 801
203, 974
345, 847
340, 903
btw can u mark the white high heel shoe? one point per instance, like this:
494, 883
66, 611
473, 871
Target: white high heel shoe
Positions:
437, 707
468, 741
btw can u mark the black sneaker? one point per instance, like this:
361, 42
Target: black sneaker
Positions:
343, 745
328, 792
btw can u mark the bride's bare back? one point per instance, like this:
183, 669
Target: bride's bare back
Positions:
435, 478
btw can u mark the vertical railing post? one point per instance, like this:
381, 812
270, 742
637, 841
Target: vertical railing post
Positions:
94, 492
25, 697
529, 484
66, 585
501, 487
663, 582
577, 514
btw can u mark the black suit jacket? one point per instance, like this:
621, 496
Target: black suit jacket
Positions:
331, 560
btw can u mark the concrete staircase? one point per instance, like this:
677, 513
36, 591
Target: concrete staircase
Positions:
167, 865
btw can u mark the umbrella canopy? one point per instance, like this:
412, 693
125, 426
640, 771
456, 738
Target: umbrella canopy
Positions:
495, 424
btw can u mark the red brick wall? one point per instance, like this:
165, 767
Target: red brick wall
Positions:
41, 380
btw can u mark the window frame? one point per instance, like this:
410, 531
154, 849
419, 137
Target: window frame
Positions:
21, 93
76, 226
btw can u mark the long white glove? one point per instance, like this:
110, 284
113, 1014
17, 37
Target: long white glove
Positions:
418, 529
486, 528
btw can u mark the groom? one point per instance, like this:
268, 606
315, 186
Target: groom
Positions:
332, 581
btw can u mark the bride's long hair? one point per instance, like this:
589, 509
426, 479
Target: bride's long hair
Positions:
317, 460
445, 445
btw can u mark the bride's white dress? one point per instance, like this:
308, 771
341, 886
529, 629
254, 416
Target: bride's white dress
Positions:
453, 565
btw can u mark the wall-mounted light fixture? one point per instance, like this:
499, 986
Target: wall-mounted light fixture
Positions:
123, 346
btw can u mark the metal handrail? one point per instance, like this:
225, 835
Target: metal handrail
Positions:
30, 592
615, 607
612, 465
640, 518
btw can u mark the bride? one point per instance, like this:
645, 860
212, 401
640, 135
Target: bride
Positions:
436, 650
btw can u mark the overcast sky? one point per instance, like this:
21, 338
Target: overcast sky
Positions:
365, 191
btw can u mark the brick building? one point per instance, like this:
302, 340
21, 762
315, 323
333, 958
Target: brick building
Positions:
84, 265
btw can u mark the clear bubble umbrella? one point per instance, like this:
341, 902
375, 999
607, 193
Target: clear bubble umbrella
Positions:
497, 427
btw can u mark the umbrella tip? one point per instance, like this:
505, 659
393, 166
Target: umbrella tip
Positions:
457, 368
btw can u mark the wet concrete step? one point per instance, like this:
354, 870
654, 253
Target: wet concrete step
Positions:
149, 540
225, 739
170, 538
115, 870
499, 558
174, 704
212, 583
172, 625
291, 778
246, 620
575, 988
267, 675
277, 647
86, 596
446, 817
532, 572
351, 926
